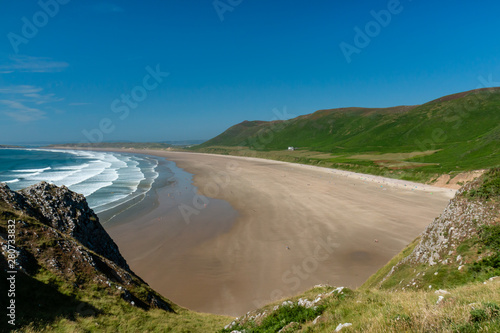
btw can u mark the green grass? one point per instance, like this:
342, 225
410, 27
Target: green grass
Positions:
489, 188
412, 311
50, 302
490, 239
480, 249
279, 319
376, 279
443, 136
54, 301
444, 276
469, 308
480, 318
350, 163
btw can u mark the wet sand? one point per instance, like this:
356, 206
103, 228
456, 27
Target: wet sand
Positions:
296, 226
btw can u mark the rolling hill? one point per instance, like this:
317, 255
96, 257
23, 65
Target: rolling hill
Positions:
71, 277
458, 132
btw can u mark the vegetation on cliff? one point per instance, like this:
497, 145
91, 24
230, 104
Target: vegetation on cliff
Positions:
444, 281
449, 135
71, 276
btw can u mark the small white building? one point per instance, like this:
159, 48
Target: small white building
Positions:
291, 148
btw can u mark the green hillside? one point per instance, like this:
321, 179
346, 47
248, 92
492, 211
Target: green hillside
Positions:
60, 284
446, 280
459, 132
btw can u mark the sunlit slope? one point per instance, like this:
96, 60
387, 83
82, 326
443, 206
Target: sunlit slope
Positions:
463, 129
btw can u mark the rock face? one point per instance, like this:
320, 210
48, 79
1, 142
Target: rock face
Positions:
459, 222
66, 211
57, 231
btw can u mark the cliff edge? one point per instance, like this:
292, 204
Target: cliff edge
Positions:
59, 260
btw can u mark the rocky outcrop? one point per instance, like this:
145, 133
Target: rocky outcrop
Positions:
461, 220
57, 231
66, 211
257, 317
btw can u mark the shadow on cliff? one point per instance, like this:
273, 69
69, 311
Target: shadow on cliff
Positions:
37, 302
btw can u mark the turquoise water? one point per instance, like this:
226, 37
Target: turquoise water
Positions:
106, 179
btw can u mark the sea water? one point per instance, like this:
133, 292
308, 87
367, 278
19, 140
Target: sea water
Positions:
106, 179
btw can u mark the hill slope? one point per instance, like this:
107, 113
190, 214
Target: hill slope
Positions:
68, 274
445, 281
68, 282
453, 133
462, 245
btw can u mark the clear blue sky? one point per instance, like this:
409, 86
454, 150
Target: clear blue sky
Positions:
239, 61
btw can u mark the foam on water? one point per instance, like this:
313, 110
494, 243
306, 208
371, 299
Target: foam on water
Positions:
105, 179
33, 170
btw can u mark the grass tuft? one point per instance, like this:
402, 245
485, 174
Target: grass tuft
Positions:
490, 187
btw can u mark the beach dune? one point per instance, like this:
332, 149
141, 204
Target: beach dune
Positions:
296, 226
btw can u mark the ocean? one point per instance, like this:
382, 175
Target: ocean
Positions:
106, 179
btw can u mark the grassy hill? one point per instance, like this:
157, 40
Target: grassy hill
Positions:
446, 280
70, 275
451, 134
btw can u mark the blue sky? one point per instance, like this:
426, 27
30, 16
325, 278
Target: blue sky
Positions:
191, 68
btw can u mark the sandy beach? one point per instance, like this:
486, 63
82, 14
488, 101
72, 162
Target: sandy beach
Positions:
259, 230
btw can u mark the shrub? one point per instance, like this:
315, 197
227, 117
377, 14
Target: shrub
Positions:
478, 315
490, 186
490, 236
487, 312
280, 318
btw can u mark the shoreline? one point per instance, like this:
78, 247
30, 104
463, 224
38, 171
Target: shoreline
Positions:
438, 187
136, 205
296, 226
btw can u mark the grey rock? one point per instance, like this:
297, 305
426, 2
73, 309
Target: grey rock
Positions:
66, 211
